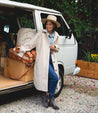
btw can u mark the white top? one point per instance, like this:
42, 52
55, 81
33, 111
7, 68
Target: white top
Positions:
25, 5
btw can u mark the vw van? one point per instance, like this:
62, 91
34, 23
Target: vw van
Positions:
14, 17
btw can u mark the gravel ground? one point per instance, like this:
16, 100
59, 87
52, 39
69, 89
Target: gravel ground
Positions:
79, 95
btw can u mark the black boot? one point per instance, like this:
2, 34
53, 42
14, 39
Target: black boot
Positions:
45, 100
52, 104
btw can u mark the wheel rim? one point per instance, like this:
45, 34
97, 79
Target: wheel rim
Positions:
59, 85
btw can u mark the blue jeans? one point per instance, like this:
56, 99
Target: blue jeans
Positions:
52, 79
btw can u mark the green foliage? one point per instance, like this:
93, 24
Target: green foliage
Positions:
78, 17
90, 57
25, 21
87, 56
3, 18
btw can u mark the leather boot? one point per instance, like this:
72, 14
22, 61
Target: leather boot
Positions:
52, 104
45, 100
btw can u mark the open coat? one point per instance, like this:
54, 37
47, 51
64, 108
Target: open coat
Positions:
41, 42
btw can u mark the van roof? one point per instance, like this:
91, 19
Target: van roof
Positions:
25, 6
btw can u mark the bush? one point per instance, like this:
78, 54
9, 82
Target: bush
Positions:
90, 57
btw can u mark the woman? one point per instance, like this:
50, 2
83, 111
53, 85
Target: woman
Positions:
45, 68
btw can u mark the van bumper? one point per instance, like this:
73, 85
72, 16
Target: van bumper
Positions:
76, 70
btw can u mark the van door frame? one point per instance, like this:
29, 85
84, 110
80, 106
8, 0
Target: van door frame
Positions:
68, 67
25, 85
37, 15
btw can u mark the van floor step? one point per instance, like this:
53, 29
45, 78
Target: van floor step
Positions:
7, 82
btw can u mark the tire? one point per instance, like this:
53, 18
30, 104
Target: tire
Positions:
60, 82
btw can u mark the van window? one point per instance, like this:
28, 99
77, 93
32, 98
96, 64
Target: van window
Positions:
8, 24
8, 33
62, 30
26, 20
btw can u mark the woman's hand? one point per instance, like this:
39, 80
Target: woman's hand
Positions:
52, 47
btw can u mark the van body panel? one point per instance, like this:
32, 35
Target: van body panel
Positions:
67, 55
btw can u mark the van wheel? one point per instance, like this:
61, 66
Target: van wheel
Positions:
60, 84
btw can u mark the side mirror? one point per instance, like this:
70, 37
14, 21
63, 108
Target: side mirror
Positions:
69, 34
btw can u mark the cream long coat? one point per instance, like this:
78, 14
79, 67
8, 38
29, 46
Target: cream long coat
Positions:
41, 42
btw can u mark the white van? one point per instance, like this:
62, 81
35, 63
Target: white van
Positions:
13, 17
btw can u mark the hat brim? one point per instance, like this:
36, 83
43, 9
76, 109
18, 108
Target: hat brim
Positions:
45, 19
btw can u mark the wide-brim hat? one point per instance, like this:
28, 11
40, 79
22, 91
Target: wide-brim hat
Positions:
51, 18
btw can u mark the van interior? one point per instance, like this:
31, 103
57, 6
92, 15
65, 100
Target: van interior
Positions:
11, 21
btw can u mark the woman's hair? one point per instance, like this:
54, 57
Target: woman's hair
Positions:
53, 24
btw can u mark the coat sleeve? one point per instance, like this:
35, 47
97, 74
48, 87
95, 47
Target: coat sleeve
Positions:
29, 45
56, 45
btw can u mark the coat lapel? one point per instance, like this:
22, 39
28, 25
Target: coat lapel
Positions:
55, 36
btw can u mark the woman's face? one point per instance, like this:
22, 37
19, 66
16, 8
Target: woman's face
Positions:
50, 26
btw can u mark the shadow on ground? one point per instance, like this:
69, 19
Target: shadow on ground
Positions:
7, 98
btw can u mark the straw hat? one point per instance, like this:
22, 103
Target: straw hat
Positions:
51, 18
